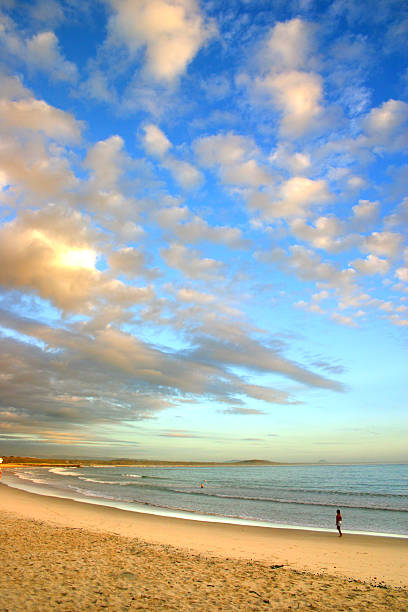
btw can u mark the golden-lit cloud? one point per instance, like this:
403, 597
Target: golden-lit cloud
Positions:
172, 31
294, 197
299, 96
37, 115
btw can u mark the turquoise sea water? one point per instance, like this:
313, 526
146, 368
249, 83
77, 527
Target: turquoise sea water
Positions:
372, 498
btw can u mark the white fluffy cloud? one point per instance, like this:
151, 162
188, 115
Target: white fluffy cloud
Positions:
294, 198
224, 149
132, 263
383, 243
387, 125
288, 77
402, 274
172, 32
189, 263
299, 96
365, 213
58, 243
248, 173
49, 244
192, 229
43, 52
32, 132
105, 160
289, 44
155, 141
32, 167
38, 116
185, 173
197, 297
235, 158
296, 162
371, 265
328, 233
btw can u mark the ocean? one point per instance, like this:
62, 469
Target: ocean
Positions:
372, 498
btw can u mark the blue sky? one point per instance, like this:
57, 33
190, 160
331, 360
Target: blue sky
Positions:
203, 229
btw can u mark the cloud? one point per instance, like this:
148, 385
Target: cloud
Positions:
224, 149
383, 243
387, 125
57, 243
309, 266
344, 320
32, 131
43, 52
106, 159
157, 144
185, 173
297, 163
39, 53
243, 411
289, 44
191, 295
266, 394
98, 87
298, 95
132, 263
155, 141
190, 263
171, 32
31, 167
38, 116
46, 392
238, 349
326, 234
248, 173
399, 216
402, 274
12, 88
192, 229
47, 11
234, 157
371, 265
365, 213
295, 197
51, 244
178, 433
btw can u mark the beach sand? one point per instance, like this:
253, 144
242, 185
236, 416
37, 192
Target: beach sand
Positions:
71, 556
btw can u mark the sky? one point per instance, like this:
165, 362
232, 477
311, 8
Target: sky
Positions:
203, 213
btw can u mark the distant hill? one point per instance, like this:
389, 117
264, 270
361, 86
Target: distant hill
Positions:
254, 462
36, 461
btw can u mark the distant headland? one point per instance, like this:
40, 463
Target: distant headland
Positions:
13, 461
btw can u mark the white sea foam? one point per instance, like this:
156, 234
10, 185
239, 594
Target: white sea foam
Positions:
29, 477
98, 481
61, 471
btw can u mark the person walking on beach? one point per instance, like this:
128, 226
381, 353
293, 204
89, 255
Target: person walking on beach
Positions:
339, 518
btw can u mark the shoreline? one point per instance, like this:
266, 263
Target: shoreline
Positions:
359, 557
186, 515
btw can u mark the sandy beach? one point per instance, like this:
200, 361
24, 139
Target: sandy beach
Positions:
66, 555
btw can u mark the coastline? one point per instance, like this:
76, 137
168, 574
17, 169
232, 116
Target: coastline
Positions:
359, 557
368, 523
191, 515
